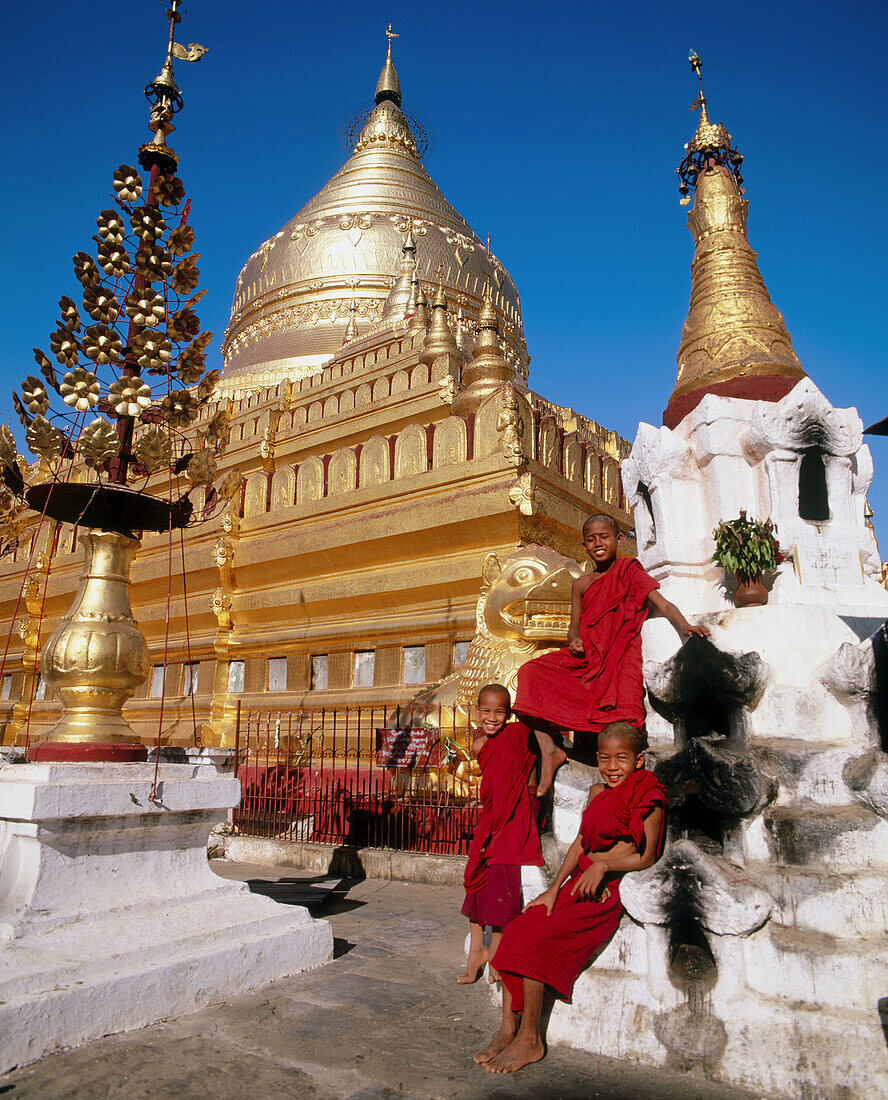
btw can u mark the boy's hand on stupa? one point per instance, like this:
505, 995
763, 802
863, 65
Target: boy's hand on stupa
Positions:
700, 630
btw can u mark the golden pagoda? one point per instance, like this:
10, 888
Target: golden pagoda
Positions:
734, 342
375, 384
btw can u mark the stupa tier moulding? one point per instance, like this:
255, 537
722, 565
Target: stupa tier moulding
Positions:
755, 952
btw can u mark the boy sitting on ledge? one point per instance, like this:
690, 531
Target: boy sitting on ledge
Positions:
596, 678
622, 829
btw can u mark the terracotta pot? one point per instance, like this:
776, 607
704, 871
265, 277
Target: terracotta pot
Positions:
750, 594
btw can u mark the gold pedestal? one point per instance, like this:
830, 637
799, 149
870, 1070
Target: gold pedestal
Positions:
97, 656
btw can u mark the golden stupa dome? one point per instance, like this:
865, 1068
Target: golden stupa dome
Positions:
340, 256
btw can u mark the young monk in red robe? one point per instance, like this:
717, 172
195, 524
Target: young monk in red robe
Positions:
507, 835
596, 678
622, 829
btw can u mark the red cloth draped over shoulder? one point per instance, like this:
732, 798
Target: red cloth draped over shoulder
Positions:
507, 822
555, 948
605, 684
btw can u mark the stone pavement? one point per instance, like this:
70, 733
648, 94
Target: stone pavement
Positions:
385, 1019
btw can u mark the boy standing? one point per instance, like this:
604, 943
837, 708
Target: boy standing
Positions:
507, 834
622, 829
596, 678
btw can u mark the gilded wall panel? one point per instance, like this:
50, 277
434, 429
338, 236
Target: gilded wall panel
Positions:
572, 462
375, 461
487, 437
548, 446
310, 480
347, 401
449, 442
380, 389
300, 416
331, 406
610, 481
283, 488
342, 472
593, 473
363, 395
419, 376
315, 411
400, 382
256, 495
411, 451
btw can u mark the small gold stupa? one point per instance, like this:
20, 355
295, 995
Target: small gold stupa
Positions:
734, 341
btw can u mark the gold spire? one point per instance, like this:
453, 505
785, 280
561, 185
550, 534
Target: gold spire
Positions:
351, 329
420, 317
398, 301
734, 341
488, 370
388, 86
439, 339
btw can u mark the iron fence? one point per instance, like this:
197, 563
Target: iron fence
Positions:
363, 777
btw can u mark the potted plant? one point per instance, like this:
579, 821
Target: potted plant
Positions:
747, 548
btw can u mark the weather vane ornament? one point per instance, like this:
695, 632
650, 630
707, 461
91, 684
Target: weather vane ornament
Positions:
710, 145
128, 353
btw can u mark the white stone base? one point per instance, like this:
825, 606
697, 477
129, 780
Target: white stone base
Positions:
110, 917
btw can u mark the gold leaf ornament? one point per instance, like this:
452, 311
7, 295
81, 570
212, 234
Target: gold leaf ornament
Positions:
70, 316
230, 484
169, 190
185, 275
145, 307
181, 240
147, 222
183, 325
44, 439
129, 395
114, 260
98, 441
36, 399
207, 385
85, 269
178, 408
153, 262
190, 366
218, 427
152, 450
63, 344
101, 304
8, 449
80, 389
111, 227
127, 183
102, 344
152, 351
201, 468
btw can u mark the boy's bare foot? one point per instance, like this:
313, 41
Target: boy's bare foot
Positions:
474, 966
549, 764
492, 975
501, 1040
520, 1052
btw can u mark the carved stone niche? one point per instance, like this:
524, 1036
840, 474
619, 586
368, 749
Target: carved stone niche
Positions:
662, 486
711, 778
817, 470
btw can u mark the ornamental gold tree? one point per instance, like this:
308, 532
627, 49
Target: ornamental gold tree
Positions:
111, 413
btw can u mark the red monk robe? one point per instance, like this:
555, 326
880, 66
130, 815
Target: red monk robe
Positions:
605, 685
555, 948
506, 833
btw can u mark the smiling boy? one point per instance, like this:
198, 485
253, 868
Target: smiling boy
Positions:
622, 829
596, 678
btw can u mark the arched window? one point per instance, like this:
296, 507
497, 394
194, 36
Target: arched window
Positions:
813, 495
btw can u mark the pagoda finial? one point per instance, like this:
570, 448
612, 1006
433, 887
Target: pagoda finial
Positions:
351, 329
734, 342
165, 98
711, 143
388, 86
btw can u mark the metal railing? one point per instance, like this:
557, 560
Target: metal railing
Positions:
361, 777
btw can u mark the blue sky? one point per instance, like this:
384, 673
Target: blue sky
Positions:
557, 131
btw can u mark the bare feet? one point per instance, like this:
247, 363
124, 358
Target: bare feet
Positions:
520, 1052
492, 975
549, 764
501, 1040
474, 966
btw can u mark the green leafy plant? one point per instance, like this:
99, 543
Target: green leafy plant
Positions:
747, 547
